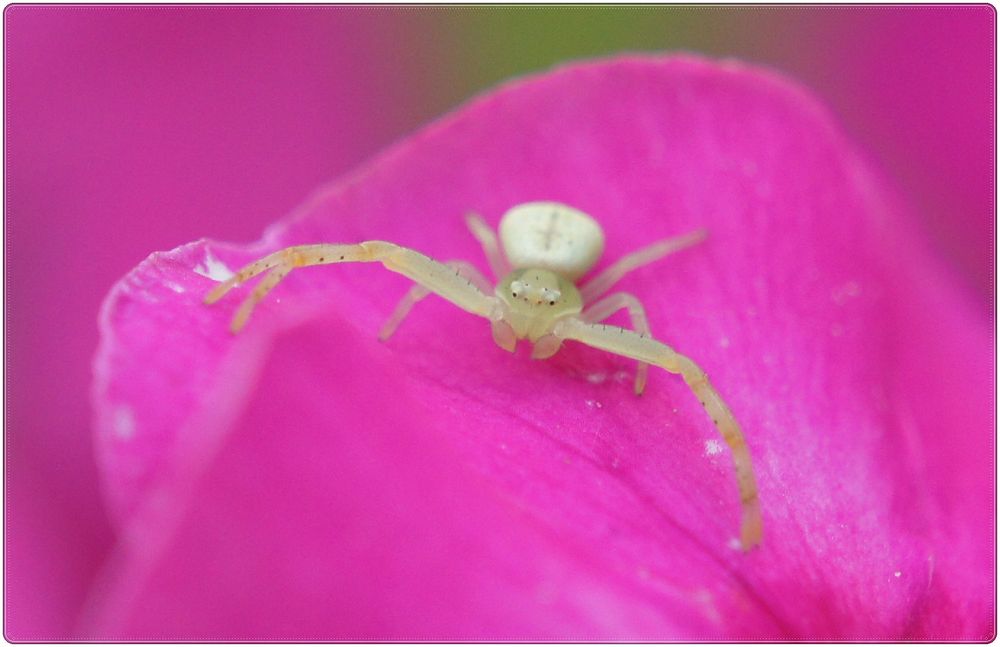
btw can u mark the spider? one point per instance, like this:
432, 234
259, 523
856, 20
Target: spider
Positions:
544, 248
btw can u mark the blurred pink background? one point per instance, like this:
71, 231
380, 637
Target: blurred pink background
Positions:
135, 129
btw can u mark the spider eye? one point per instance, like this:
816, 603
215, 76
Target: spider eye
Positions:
514, 294
552, 303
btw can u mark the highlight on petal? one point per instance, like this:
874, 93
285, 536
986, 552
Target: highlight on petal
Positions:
301, 481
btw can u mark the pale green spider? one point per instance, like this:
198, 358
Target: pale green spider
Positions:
547, 246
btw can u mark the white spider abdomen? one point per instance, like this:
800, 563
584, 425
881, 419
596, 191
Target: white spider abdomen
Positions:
551, 236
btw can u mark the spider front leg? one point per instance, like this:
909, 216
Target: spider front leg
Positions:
418, 292
491, 248
629, 344
601, 283
637, 314
435, 277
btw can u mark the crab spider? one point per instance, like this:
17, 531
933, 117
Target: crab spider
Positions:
544, 248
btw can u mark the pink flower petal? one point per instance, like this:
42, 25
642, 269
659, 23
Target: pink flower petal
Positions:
302, 481
130, 129
952, 127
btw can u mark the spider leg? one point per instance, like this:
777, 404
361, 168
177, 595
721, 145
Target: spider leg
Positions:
491, 248
637, 314
435, 277
418, 292
630, 344
601, 283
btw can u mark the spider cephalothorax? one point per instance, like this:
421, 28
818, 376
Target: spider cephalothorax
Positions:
546, 248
